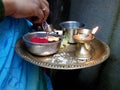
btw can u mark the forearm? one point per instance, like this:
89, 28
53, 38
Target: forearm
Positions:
25, 9
9, 7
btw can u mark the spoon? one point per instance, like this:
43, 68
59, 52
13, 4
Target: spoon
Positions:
45, 26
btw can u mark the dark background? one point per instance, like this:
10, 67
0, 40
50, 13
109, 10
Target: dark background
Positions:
106, 15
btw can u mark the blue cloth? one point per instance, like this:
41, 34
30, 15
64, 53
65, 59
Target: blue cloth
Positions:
16, 73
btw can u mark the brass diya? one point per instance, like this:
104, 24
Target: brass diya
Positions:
84, 37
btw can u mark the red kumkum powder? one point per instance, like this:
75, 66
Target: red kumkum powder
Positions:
38, 40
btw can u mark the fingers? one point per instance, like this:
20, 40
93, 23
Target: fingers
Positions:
46, 13
39, 17
46, 3
41, 12
45, 8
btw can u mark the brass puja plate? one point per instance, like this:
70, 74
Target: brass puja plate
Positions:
65, 58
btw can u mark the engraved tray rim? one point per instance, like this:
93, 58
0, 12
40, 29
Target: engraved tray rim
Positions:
32, 58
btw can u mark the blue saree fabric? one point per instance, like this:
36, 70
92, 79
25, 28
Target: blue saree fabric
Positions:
16, 73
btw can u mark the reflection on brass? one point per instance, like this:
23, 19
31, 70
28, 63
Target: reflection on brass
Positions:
65, 58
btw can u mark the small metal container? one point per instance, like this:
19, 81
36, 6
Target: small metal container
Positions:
69, 28
41, 49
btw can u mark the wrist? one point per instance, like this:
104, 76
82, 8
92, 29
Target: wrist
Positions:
9, 7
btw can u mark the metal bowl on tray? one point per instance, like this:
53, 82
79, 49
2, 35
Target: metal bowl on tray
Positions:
42, 49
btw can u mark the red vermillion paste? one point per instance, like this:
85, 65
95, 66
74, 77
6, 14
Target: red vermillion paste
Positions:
39, 40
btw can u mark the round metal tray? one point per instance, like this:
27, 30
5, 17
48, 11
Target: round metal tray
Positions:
65, 57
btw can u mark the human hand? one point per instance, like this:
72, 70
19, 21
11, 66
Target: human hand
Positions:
36, 11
